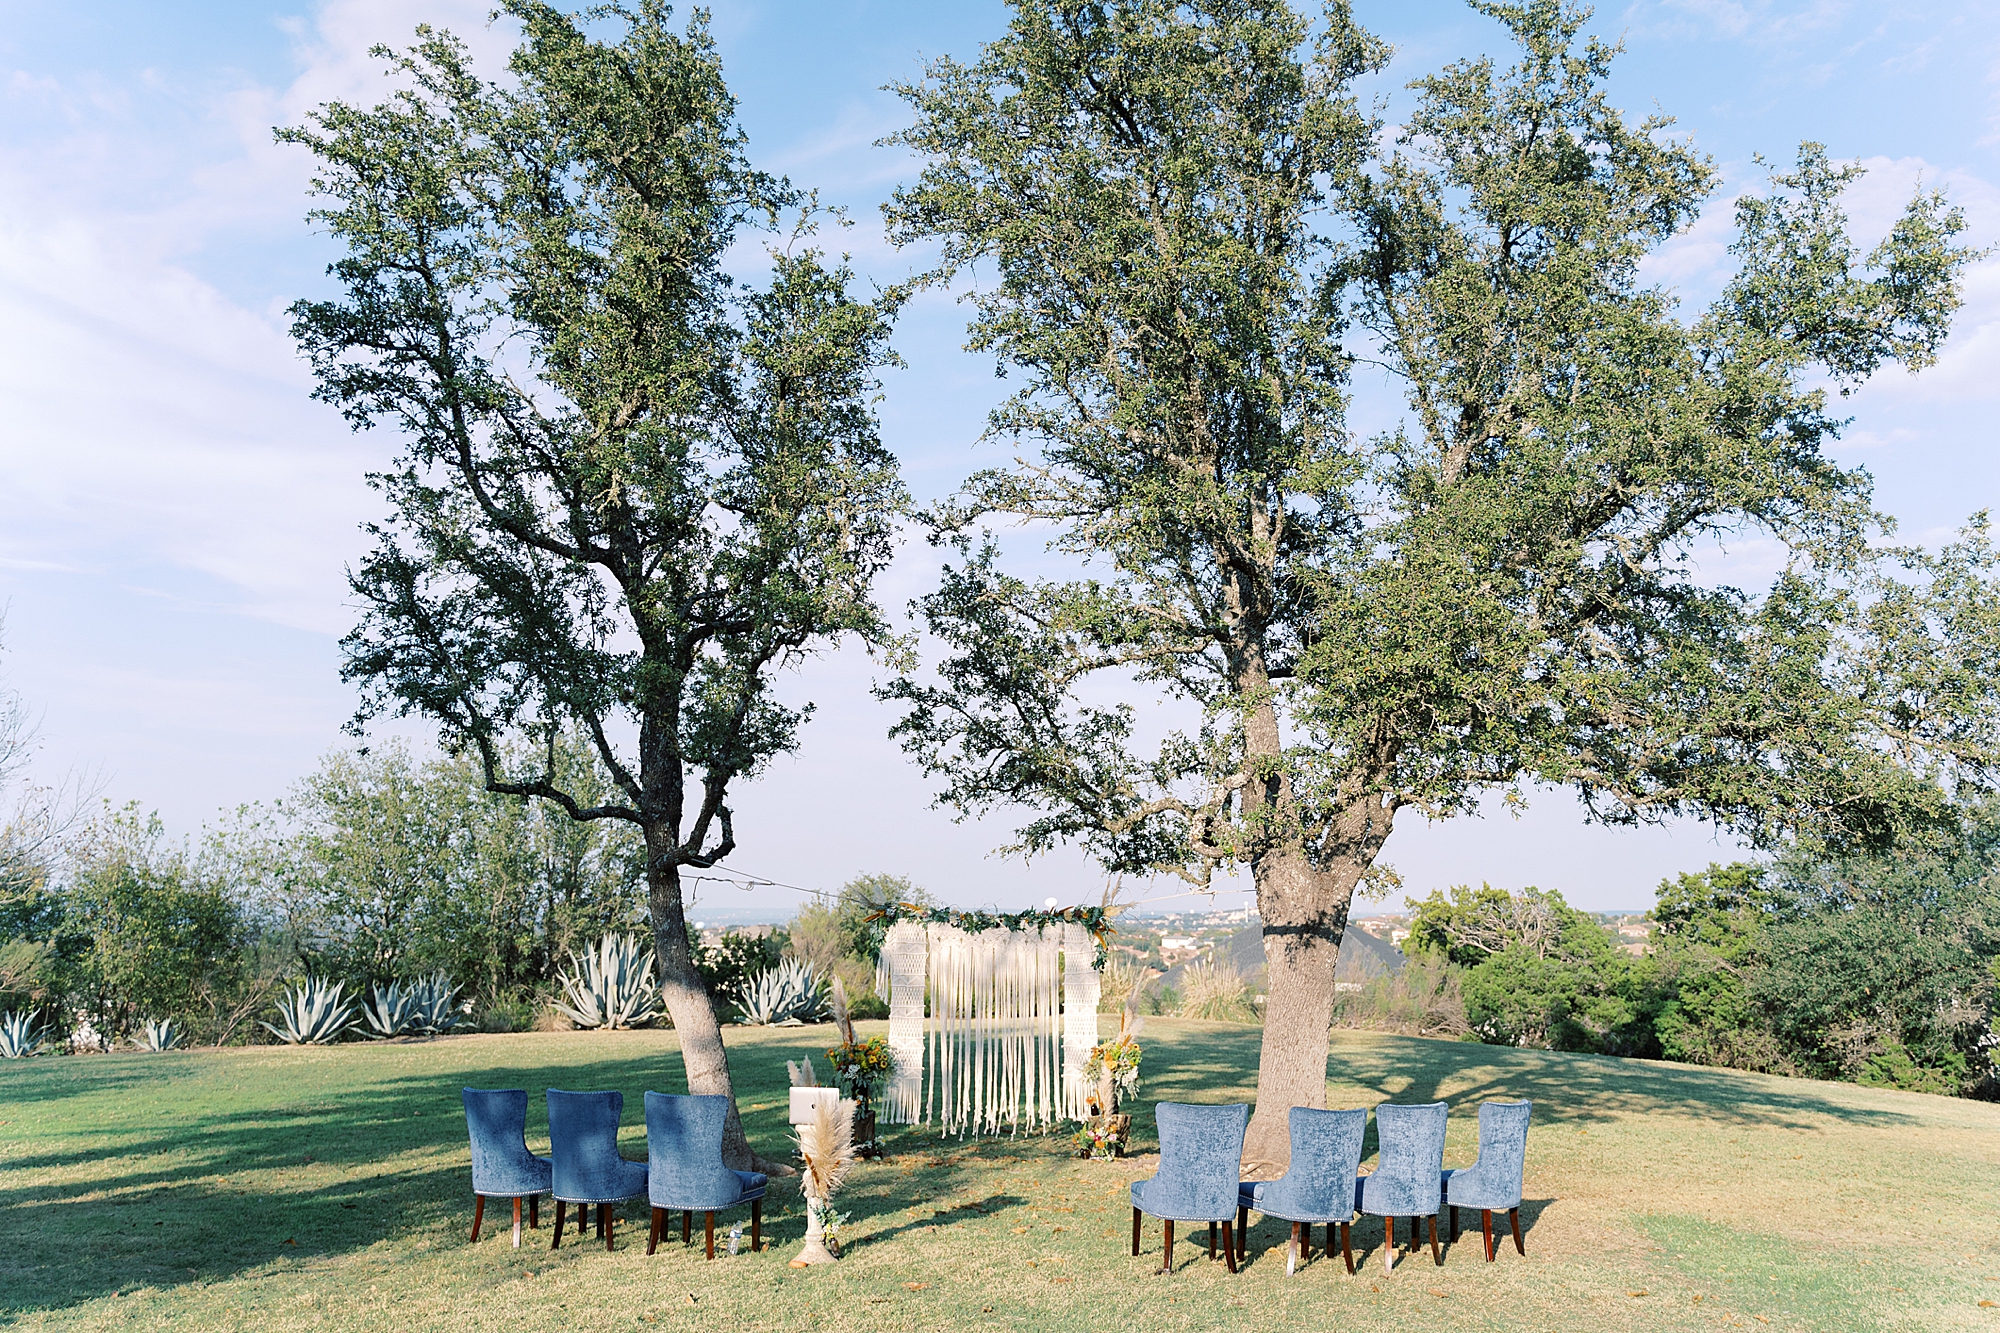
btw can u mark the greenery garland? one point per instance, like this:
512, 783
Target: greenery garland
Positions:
1093, 919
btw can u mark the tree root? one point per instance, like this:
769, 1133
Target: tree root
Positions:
771, 1167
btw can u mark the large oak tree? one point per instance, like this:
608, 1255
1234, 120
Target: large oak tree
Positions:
626, 491
1181, 234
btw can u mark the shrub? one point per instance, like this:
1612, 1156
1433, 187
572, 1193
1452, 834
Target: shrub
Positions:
506, 1013
787, 995
314, 1013
1214, 992
389, 1011
727, 965
147, 929
20, 1035
1117, 982
160, 1034
434, 1005
1421, 999
612, 986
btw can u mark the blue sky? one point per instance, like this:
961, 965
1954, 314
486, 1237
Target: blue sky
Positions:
178, 514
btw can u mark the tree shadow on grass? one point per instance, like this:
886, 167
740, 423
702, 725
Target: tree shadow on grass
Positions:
1214, 1062
207, 1183
204, 1196
178, 1182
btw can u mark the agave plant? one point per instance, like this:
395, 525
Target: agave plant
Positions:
389, 1011
783, 996
434, 1004
612, 986
314, 1012
20, 1036
161, 1034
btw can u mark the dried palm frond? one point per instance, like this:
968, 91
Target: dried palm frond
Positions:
840, 1018
827, 1144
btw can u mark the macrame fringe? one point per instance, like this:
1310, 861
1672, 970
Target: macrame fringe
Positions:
1013, 1015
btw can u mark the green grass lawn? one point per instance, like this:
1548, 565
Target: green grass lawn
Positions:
273, 1188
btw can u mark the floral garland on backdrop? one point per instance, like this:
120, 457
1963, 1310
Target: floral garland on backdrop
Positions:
1093, 919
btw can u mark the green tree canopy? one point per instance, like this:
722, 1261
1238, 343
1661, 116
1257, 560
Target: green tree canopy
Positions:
626, 491
1182, 236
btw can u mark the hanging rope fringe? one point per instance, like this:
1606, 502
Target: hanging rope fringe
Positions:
1013, 1015
900, 978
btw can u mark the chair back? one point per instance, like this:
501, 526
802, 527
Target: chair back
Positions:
1410, 1162
1201, 1158
1326, 1153
496, 1119
583, 1143
684, 1153
1503, 1152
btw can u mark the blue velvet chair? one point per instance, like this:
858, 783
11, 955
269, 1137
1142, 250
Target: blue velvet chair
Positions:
1493, 1183
502, 1167
1326, 1154
1409, 1173
684, 1167
1201, 1161
583, 1143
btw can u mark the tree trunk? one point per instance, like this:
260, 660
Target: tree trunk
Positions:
693, 1012
1302, 930
1304, 915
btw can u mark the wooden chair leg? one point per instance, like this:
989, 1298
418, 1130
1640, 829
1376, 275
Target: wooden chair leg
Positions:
1346, 1246
1388, 1244
1135, 1231
534, 1212
687, 1224
1228, 1247
1306, 1243
1514, 1217
1292, 1251
610, 1220
1436, 1258
1167, 1264
708, 1222
653, 1235
556, 1242
517, 1221
478, 1212
599, 1214
1486, 1229
756, 1224
1211, 1242
1242, 1232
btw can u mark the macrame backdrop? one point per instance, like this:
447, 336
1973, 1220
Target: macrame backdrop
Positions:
1013, 1015
1080, 991
900, 978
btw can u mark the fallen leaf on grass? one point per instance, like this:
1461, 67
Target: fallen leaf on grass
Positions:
915, 1286
1640, 1292
1020, 1231
1984, 1305
291, 1240
1438, 1291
